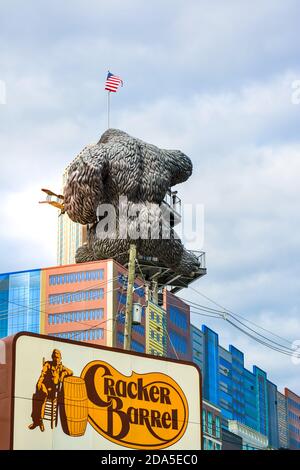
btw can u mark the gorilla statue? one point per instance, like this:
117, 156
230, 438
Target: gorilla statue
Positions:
122, 166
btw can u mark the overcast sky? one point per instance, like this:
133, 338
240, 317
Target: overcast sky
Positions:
211, 78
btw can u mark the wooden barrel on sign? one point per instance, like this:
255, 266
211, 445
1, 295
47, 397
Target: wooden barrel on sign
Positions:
74, 406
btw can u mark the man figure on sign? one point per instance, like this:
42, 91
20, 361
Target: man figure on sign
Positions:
52, 375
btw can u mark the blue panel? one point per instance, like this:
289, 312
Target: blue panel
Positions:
4, 286
178, 317
211, 348
262, 400
273, 434
24, 302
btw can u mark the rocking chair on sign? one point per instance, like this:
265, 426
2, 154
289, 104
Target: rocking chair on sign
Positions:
51, 405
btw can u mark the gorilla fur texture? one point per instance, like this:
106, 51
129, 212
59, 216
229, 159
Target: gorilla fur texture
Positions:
122, 166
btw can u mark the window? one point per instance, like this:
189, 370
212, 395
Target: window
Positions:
218, 427
70, 278
85, 335
209, 422
68, 297
204, 424
210, 445
77, 316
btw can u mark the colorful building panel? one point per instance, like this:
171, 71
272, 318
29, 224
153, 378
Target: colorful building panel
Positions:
211, 387
138, 338
293, 412
78, 300
262, 401
283, 428
273, 434
211, 426
156, 330
198, 356
243, 396
225, 384
178, 327
20, 302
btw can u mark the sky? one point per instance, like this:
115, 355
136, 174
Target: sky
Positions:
211, 78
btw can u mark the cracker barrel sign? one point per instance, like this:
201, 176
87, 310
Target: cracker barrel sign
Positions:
143, 411
78, 392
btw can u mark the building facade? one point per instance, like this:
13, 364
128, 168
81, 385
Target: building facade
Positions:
86, 302
273, 428
156, 330
293, 412
178, 327
244, 396
283, 430
20, 302
197, 347
252, 440
231, 441
83, 302
70, 236
211, 426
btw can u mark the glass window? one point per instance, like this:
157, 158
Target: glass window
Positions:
204, 420
218, 427
209, 422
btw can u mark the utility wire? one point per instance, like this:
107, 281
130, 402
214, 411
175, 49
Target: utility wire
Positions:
240, 316
46, 302
264, 341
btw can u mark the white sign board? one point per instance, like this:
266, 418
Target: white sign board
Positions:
76, 396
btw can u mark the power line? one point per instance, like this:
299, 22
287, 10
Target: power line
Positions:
61, 313
264, 341
284, 348
46, 302
240, 316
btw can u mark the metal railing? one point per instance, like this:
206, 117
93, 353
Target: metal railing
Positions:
173, 205
200, 255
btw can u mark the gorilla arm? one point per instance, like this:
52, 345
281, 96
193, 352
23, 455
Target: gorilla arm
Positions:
179, 165
84, 186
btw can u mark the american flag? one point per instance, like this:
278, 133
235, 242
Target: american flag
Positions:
112, 82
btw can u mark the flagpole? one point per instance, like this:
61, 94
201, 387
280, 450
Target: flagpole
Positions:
108, 108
